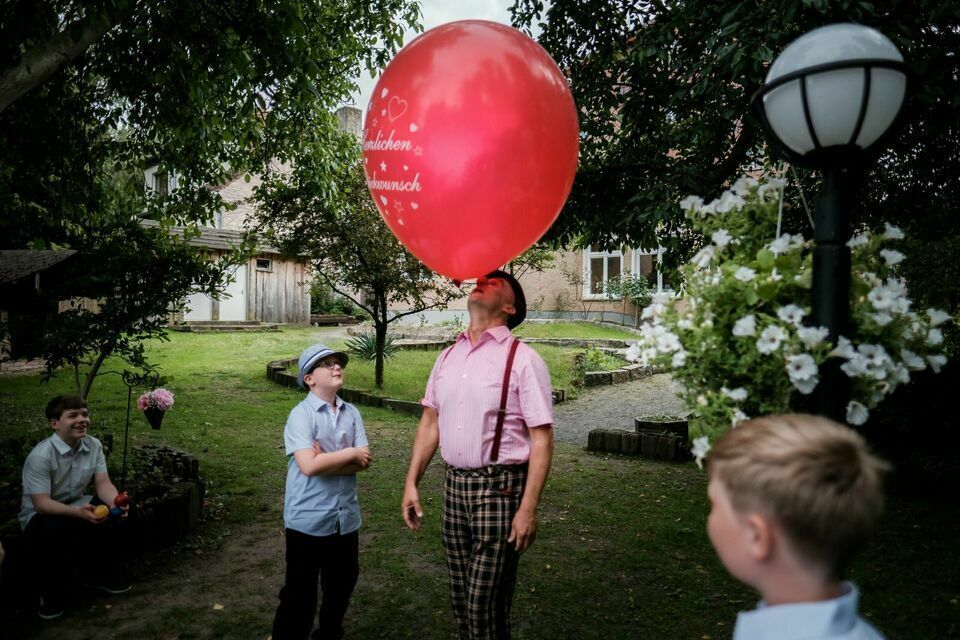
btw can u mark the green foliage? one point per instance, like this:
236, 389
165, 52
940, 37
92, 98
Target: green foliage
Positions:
322, 209
364, 346
737, 342
663, 94
537, 258
597, 360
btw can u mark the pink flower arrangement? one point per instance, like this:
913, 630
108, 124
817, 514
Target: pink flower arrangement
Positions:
155, 399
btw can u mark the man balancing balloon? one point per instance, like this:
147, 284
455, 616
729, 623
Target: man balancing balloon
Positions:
470, 151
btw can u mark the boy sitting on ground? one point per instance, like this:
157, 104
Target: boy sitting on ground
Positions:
60, 523
793, 498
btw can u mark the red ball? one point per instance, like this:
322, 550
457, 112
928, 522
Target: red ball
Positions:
470, 146
122, 499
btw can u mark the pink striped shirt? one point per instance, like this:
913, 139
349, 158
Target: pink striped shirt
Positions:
464, 387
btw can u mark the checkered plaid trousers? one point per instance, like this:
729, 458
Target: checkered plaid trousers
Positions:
478, 510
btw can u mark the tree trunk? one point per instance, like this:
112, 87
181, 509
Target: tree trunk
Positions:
94, 369
380, 329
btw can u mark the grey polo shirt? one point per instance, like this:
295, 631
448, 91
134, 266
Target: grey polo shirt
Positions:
64, 473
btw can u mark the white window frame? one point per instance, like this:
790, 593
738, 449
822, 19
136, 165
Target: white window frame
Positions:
269, 262
635, 265
588, 255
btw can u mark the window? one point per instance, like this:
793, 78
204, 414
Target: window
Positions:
264, 264
647, 263
161, 183
599, 268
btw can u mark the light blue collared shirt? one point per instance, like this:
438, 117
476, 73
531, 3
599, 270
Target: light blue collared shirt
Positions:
64, 473
324, 504
835, 619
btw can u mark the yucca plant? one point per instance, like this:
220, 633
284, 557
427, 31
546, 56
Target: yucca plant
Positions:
364, 346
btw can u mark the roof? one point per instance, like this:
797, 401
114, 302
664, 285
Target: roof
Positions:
15, 263
212, 238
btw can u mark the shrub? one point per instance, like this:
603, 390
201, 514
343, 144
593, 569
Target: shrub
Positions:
364, 346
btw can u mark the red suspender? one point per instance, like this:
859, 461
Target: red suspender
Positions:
495, 452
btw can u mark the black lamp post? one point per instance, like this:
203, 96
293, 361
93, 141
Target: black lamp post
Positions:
829, 100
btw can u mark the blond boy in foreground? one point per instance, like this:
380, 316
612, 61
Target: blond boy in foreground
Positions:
793, 498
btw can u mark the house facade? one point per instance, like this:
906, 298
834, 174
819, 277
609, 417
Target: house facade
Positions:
268, 287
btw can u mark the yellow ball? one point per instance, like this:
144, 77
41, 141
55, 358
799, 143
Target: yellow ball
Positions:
101, 511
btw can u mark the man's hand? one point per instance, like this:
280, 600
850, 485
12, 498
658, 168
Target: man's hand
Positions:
316, 448
412, 513
523, 531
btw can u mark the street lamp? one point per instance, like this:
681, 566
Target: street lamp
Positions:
828, 102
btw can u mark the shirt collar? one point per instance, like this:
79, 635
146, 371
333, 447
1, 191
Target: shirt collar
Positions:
317, 403
822, 619
63, 448
499, 333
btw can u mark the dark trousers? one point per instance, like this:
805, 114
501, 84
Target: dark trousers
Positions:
56, 545
478, 510
335, 561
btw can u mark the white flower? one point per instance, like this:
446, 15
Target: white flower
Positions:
743, 185
691, 203
772, 185
728, 202
844, 349
700, 449
704, 257
901, 374
738, 417
770, 339
791, 313
871, 279
679, 359
780, 245
685, 323
745, 274
812, 336
934, 337
891, 295
721, 238
774, 276
937, 362
857, 414
806, 387
882, 319
801, 367
647, 355
702, 400
858, 240
633, 352
745, 326
678, 387
892, 232
891, 256
874, 354
854, 367
739, 394
937, 317
668, 342
912, 360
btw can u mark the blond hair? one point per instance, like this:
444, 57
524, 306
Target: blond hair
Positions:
814, 476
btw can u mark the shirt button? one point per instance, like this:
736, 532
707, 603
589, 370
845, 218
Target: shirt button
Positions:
464, 375
459, 427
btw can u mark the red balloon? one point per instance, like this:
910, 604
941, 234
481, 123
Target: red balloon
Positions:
470, 146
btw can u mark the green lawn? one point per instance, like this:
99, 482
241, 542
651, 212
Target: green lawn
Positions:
571, 330
622, 551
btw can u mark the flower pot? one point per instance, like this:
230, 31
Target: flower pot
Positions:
154, 416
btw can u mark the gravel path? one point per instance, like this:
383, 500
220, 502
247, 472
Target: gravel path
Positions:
614, 407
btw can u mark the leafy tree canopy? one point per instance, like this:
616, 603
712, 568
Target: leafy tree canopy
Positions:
663, 91
336, 224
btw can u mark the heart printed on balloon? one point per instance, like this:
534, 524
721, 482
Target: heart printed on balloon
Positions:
470, 146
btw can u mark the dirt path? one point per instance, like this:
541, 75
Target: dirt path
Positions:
615, 407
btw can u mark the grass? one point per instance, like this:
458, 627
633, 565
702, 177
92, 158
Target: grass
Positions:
588, 330
621, 551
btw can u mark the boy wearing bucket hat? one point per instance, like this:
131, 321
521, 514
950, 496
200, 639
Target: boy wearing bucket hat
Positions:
326, 446
488, 406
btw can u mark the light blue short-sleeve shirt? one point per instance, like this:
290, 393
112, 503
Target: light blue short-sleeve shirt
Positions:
835, 619
52, 467
321, 505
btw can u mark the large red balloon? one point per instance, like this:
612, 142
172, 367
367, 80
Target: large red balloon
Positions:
470, 146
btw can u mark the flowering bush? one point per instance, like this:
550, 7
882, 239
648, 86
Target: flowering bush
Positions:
155, 399
738, 343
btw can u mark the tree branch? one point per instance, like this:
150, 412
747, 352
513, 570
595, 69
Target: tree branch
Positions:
43, 61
